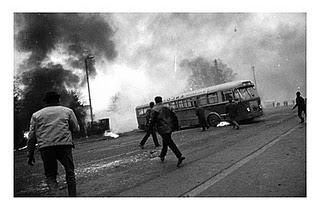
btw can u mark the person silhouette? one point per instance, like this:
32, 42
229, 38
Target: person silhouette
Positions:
300, 103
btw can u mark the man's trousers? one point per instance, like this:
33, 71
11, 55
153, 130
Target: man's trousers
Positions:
63, 154
168, 142
154, 136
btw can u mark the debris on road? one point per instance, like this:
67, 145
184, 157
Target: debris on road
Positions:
111, 134
223, 123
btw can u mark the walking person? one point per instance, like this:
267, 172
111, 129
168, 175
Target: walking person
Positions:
201, 116
51, 128
300, 103
150, 129
166, 122
232, 112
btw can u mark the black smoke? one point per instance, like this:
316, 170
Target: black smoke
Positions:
80, 34
39, 34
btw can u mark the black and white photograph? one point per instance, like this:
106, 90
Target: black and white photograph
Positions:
159, 104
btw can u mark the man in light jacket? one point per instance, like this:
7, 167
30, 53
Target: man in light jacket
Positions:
51, 128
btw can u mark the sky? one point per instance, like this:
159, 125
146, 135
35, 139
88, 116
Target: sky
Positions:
273, 43
135, 55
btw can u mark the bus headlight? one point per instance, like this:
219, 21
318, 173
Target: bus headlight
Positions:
248, 109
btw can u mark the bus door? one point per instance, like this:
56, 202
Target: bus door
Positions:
226, 94
221, 107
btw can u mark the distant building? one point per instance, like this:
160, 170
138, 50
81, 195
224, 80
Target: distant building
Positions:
99, 126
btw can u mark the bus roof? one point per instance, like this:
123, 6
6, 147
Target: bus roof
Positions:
210, 89
206, 90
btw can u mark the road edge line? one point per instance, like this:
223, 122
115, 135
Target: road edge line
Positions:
225, 172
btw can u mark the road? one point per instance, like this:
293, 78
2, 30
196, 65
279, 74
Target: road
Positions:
266, 157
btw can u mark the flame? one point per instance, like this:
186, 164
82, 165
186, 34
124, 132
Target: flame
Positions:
26, 135
223, 124
111, 134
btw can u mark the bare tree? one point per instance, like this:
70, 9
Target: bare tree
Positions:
204, 73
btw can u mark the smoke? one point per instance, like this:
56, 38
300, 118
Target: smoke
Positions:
273, 43
50, 50
118, 89
76, 34
136, 53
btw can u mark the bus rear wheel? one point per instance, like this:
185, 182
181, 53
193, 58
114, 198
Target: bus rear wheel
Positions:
214, 120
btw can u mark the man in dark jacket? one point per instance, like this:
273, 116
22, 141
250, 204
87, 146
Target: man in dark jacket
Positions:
300, 103
150, 130
51, 128
165, 121
232, 111
200, 113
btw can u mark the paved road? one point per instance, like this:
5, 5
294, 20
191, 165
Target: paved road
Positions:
264, 158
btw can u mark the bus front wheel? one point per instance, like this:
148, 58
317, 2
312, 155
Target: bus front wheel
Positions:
214, 120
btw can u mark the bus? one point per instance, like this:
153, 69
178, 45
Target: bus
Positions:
214, 100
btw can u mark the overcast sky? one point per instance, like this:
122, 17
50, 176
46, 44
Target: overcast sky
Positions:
146, 45
273, 43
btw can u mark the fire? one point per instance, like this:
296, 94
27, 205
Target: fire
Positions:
111, 134
26, 134
223, 123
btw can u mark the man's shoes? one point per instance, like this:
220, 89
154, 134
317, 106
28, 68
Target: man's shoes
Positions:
180, 161
237, 127
141, 146
161, 158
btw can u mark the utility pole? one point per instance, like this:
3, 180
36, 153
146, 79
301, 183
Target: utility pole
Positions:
175, 63
254, 78
89, 57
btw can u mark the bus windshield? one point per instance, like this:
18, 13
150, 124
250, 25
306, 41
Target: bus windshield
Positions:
246, 93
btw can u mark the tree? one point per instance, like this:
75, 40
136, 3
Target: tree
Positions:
36, 83
17, 103
71, 99
204, 73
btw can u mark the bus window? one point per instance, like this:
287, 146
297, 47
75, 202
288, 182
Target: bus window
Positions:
140, 112
202, 100
252, 91
180, 104
237, 95
192, 101
247, 93
189, 102
185, 104
176, 104
172, 105
226, 94
213, 98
